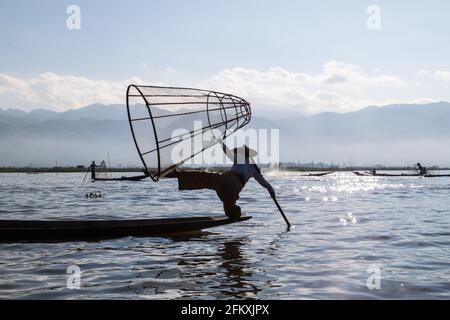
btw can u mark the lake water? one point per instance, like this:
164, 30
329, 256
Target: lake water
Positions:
349, 231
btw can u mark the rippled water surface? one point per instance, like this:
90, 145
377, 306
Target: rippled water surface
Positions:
346, 227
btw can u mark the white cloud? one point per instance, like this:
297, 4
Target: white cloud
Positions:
339, 87
443, 75
169, 70
64, 92
423, 73
345, 72
439, 75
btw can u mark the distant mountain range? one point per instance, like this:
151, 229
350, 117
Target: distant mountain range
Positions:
392, 135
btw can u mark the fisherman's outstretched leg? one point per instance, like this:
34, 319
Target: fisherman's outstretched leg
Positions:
192, 180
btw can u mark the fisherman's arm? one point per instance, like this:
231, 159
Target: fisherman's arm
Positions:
263, 182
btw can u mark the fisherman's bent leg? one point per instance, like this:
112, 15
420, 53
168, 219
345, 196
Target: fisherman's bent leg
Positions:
232, 210
229, 194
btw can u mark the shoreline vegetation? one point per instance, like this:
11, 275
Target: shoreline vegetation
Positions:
283, 167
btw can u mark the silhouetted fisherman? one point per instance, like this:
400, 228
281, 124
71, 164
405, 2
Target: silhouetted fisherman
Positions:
227, 185
92, 167
422, 170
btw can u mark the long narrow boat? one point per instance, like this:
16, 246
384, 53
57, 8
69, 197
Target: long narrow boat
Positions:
361, 174
436, 175
41, 231
396, 175
387, 174
135, 178
317, 174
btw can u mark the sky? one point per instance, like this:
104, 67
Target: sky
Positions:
302, 57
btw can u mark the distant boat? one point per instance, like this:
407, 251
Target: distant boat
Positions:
436, 175
318, 174
396, 174
123, 178
367, 174
105, 175
359, 174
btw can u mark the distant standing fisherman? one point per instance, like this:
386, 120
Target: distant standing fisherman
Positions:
92, 167
422, 170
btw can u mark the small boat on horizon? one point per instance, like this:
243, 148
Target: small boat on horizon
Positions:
94, 174
318, 174
123, 178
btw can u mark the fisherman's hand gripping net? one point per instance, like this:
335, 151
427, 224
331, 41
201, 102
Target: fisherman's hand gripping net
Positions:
165, 120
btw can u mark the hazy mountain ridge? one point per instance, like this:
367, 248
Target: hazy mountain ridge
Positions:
391, 134
415, 121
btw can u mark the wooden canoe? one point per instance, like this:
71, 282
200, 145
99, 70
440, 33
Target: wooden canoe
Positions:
387, 174
318, 174
436, 175
361, 174
396, 175
41, 231
135, 178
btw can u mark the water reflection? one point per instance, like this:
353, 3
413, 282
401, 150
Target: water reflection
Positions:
224, 272
238, 271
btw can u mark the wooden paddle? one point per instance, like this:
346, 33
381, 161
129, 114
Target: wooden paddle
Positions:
281, 211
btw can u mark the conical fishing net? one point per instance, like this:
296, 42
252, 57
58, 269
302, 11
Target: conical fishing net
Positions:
102, 171
172, 125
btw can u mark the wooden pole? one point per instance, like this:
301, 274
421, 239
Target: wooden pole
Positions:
87, 171
282, 213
